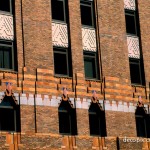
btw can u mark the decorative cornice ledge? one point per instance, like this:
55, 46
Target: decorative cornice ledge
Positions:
54, 101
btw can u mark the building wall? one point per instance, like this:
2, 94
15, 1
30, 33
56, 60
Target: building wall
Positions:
38, 90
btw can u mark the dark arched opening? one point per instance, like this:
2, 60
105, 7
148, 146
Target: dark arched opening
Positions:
142, 122
9, 115
97, 120
67, 118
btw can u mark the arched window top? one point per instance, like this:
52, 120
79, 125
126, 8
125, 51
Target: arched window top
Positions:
140, 110
67, 116
65, 103
95, 105
9, 98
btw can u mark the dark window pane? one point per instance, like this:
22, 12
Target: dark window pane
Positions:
94, 124
148, 125
86, 15
58, 10
7, 119
64, 122
5, 5
140, 126
89, 67
60, 63
67, 119
6, 57
135, 73
130, 24
97, 120
1, 58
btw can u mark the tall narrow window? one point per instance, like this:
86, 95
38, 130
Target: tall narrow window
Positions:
67, 118
61, 64
90, 53
9, 113
7, 39
142, 121
61, 47
97, 119
90, 65
59, 10
134, 43
87, 9
6, 55
6, 5
131, 25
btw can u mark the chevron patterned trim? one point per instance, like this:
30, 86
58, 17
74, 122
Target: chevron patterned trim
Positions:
89, 39
133, 47
6, 27
59, 34
129, 4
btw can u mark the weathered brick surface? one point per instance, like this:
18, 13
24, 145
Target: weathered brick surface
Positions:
47, 119
27, 114
36, 72
123, 144
76, 36
40, 142
84, 143
37, 27
111, 143
19, 37
120, 124
82, 122
144, 18
113, 42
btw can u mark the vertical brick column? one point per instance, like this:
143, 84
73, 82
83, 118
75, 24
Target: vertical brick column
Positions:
47, 119
144, 16
18, 31
27, 118
76, 36
113, 42
83, 121
37, 34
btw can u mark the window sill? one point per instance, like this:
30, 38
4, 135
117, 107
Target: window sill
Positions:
59, 21
94, 80
138, 85
88, 27
5, 13
62, 76
8, 71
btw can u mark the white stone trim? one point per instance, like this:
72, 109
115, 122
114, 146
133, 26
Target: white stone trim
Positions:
59, 34
129, 4
6, 27
84, 103
89, 39
133, 47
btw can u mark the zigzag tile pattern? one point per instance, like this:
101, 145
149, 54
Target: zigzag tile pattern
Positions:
89, 39
129, 4
59, 34
133, 47
6, 27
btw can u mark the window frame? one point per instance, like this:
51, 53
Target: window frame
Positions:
10, 5
86, 54
64, 11
91, 2
141, 74
63, 50
70, 115
141, 114
134, 14
12, 53
98, 116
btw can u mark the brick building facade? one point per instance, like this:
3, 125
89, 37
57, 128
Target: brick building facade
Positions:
86, 46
